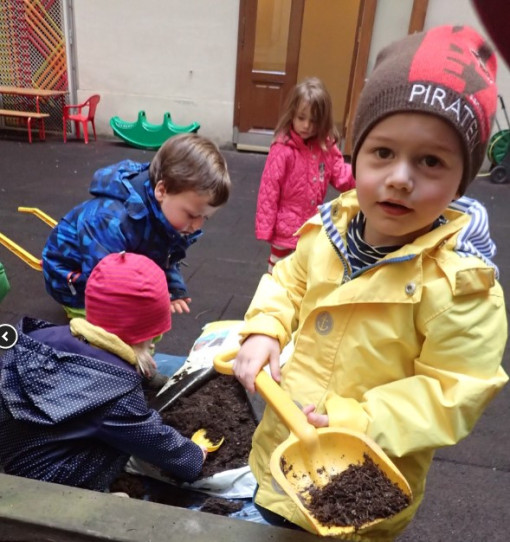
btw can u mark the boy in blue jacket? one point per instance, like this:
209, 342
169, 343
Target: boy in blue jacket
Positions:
72, 408
155, 209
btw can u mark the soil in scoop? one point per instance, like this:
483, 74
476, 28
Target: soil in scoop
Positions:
359, 494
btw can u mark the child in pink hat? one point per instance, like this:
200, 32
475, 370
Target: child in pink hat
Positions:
72, 409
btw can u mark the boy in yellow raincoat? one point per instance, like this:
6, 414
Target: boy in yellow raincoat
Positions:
398, 320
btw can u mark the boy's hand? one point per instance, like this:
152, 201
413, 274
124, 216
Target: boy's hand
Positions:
317, 420
255, 352
180, 305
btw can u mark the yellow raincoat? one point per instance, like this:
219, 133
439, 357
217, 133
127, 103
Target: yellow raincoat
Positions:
409, 352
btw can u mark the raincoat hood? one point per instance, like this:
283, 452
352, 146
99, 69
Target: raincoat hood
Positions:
32, 391
115, 182
129, 182
472, 240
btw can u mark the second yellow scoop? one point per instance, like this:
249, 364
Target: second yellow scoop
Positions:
199, 437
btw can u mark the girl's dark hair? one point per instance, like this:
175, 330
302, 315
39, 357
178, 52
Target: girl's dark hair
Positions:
313, 92
191, 162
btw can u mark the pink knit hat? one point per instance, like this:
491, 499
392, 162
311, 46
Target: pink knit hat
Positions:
127, 295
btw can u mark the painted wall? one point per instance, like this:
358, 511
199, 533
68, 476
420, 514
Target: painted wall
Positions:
159, 55
391, 23
180, 56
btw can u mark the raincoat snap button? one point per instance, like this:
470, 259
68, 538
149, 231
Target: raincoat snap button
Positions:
323, 323
410, 288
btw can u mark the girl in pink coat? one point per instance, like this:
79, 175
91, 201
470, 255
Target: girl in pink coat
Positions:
302, 161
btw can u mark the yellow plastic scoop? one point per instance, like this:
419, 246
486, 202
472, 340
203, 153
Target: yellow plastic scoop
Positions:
199, 437
310, 457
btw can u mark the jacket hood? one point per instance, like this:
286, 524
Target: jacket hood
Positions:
467, 222
43, 385
128, 181
475, 238
115, 182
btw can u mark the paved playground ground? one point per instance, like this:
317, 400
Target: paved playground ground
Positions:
468, 492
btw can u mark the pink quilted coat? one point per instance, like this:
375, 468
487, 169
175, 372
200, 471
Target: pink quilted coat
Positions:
294, 182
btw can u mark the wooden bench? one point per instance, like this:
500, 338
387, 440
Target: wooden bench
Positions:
28, 116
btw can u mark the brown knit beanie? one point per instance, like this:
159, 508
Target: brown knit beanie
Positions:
449, 72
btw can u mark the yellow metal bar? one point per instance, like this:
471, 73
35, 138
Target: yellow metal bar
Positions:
39, 214
21, 253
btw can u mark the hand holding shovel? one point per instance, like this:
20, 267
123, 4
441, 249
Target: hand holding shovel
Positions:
310, 457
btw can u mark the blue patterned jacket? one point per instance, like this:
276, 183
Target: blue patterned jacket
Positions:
72, 414
123, 215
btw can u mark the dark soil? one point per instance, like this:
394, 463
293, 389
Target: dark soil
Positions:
222, 408
221, 507
137, 487
131, 484
358, 495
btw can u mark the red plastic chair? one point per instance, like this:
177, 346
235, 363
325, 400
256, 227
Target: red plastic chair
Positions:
79, 117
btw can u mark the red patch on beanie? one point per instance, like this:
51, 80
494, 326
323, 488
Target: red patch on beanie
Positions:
457, 58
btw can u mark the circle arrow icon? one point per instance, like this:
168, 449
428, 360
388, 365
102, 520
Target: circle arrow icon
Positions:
8, 336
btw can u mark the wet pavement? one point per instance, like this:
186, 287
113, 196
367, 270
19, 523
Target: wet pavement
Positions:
469, 484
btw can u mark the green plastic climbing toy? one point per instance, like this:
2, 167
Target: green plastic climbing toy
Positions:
144, 135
